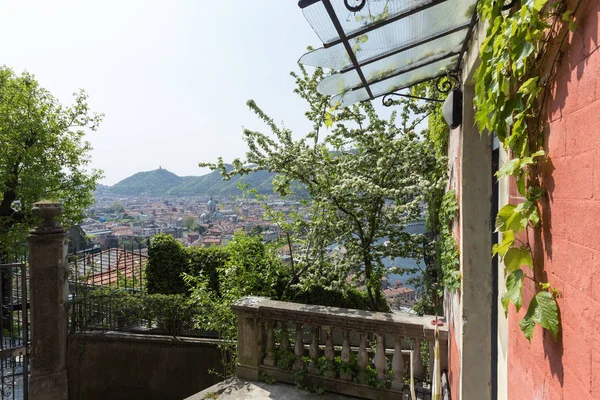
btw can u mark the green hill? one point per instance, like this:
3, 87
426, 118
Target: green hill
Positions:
155, 182
162, 182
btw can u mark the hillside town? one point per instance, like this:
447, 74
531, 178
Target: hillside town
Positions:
119, 225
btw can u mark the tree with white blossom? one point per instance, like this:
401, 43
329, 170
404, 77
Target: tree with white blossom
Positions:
367, 178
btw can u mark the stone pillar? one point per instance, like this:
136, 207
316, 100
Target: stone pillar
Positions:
250, 337
49, 293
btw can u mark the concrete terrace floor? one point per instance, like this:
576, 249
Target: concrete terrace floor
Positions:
236, 389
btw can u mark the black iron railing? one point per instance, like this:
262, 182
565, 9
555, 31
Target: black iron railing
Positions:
14, 327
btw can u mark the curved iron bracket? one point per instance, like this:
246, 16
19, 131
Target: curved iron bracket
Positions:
357, 7
443, 84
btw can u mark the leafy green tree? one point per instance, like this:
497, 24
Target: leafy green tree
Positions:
188, 222
117, 208
44, 155
367, 178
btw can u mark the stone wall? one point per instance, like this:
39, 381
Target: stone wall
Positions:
110, 365
568, 245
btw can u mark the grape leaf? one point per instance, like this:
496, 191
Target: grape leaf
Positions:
514, 291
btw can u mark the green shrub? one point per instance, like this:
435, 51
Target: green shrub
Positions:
207, 262
167, 261
120, 309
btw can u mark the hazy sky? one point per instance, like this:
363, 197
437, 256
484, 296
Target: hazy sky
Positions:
172, 77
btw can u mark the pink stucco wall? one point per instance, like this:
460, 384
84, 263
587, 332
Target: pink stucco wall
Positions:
568, 245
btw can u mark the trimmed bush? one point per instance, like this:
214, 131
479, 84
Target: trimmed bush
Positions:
167, 261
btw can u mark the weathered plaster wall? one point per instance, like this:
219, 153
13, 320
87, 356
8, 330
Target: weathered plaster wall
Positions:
452, 304
568, 245
128, 366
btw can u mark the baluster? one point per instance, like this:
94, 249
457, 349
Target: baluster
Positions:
417, 361
263, 340
313, 351
363, 357
431, 359
284, 345
299, 348
380, 357
329, 354
398, 365
346, 354
270, 357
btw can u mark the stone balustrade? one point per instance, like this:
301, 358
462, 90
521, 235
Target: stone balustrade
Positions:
366, 354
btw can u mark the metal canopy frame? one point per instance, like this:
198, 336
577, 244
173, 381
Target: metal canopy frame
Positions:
445, 81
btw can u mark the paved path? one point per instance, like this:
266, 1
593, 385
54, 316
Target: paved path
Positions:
236, 389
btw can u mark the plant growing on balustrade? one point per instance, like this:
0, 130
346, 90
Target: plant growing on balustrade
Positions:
367, 178
44, 155
511, 86
251, 268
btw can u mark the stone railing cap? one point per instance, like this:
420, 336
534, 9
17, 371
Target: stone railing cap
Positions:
411, 325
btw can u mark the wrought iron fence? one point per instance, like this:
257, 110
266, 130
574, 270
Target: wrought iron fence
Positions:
116, 267
135, 311
14, 327
108, 292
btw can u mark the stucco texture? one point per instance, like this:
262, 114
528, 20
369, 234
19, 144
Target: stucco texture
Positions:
568, 244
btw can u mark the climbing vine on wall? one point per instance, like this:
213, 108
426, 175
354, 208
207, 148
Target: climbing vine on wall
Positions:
510, 88
443, 205
447, 248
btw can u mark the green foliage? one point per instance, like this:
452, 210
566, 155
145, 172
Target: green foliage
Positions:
346, 297
253, 268
44, 155
543, 311
188, 222
123, 310
447, 248
167, 261
207, 262
440, 250
117, 208
509, 85
366, 178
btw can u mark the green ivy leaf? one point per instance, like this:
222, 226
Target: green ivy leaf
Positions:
514, 291
539, 4
516, 257
529, 86
527, 324
543, 311
508, 168
508, 238
508, 218
572, 26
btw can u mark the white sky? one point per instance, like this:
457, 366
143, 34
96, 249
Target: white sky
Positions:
172, 76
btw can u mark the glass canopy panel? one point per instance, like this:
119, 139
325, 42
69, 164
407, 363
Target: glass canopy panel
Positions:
410, 58
387, 38
410, 78
396, 82
374, 12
